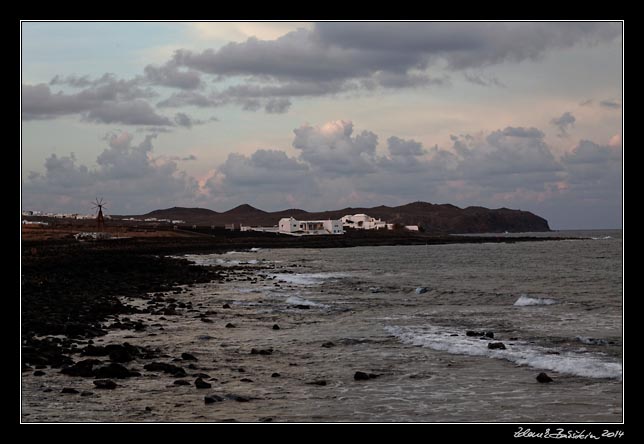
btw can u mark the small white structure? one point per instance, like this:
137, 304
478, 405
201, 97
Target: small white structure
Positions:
363, 222
412, 228
290, 225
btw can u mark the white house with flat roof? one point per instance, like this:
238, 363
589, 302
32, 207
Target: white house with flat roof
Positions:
363, 222
292, 226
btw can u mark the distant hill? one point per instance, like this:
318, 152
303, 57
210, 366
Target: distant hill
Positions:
434, 218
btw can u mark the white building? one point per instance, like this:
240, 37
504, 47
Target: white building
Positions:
412, 228
289, 225
363, 222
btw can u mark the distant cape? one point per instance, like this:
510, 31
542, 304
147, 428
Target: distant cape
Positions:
433, 218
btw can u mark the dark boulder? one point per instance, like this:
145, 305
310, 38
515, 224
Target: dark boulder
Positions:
276, 327
229, 325
496, 346
114, 370
360, 376
39, 373
275, 375
105, 384
320, 382
166, 368
328, 344
181, 382
543, 378
72, 391
188, 357
201, 384
211, 399
83, 368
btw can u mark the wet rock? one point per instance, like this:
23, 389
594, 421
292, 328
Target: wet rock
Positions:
86, 393
39, 373
421, 290
201, 384
276, 327
225, 306
543, 378
246, 380
328, 344
83, 368
47, 389
206, 320
114, 370
70, 390
211, 399
320, 382
181, 382
188, 357
201, 375
275, 375
105, 384
237, 398
166, 368
302, 307
121, 355
266, 419
362, 376
148, 409
267, 351
496, 346
229, 325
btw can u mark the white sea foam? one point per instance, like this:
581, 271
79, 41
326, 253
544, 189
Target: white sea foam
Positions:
255, 249
438, 338
306, 278
296, 300
525, 300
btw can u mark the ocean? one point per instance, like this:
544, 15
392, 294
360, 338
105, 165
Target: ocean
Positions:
418, 321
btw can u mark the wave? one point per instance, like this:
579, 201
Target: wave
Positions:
525, 301
306, 278
296, 300
520, 353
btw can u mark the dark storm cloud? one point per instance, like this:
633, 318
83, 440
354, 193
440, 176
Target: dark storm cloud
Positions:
611, 104
563, 122
463, 45
171, 76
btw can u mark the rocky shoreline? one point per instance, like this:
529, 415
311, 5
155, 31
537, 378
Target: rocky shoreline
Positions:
73, 293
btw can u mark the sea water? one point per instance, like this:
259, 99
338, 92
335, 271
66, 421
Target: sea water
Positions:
557, 306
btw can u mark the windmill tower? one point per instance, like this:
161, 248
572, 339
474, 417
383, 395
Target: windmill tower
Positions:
100, 221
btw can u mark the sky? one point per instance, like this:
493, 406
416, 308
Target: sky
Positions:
325, 115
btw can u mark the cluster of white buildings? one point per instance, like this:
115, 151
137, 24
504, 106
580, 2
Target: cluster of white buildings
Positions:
60, 215
364, 222
292, 226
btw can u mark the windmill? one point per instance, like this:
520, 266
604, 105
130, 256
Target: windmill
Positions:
98, 205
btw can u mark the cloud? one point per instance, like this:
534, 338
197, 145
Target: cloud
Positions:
184, 120
483, 79
188, 98
171, 76
127, 175
563, 122
277, 106
610, 104
107, 100
331, 149
135, 112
